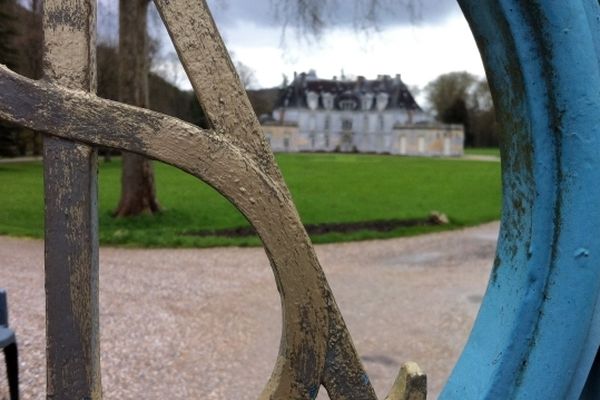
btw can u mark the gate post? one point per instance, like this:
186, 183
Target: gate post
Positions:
71, 239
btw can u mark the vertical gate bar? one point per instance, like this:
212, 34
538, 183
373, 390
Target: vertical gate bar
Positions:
71, 247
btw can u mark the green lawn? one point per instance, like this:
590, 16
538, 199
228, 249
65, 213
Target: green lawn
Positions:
326, 188
483, 151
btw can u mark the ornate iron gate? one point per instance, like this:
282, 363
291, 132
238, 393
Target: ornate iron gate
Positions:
538, 330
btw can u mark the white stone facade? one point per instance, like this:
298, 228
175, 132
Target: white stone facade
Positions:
378, 116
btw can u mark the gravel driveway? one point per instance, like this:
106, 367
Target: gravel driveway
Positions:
205, 324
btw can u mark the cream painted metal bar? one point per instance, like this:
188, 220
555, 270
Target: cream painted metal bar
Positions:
71, 248
322, 339
214, 78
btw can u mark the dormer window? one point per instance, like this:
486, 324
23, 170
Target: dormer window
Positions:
312, 100
382, 101
367, 101
327, 101
348, 105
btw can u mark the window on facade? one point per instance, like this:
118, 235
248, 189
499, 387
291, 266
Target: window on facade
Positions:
327, 100
382, 101
286, 143
312, 100
312, 123
347, 125
312, 140
327, 122
326, 140
381, 123
347, 105
367, 101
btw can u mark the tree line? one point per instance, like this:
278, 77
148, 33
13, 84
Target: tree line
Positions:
20, 50
464, 98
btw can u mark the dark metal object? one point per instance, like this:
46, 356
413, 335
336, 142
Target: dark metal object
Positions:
8, 344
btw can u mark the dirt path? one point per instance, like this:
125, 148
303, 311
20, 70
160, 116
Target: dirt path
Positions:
205, 324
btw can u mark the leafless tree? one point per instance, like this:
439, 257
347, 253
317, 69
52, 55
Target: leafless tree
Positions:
449, 88
28, 62
8, 52
461, 97
36, 6
311, 17
138, 190
246, 74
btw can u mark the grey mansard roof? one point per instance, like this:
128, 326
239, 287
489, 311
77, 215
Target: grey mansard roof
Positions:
295, 95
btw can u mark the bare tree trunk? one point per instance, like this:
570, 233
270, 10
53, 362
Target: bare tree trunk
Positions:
36, 6
138, 192
31, 59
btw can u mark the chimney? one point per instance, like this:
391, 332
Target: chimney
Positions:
282, 116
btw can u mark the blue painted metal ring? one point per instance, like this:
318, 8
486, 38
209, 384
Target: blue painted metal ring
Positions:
538, 329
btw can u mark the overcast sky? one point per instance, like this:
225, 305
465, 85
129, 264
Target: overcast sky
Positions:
420, 44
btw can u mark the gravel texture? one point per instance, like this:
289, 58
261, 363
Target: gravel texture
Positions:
205, 324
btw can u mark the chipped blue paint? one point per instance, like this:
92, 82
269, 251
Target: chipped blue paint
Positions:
581, 252
313, 392
538, 331
366, 380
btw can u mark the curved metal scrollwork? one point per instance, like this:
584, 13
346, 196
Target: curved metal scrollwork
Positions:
235, 159
538, 330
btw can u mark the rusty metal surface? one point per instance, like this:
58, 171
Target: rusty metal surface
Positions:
71, 248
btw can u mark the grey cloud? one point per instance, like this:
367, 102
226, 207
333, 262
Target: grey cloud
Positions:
344, 13
229, 14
